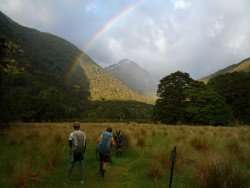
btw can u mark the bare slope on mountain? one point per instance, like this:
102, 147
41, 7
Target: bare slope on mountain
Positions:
244, 65
104, 86
133, 75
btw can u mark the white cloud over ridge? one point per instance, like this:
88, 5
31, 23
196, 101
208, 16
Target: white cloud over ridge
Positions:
180, 4
198, 37
217, 26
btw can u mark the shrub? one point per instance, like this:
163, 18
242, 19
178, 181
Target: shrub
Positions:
220, 172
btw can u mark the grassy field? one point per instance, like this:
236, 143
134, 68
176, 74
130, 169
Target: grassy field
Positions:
37, 155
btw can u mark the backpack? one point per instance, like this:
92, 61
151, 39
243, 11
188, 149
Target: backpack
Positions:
119, 138
104, 144
79, 141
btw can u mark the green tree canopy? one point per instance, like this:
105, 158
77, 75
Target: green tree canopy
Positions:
235, 88
171, 104
206, 106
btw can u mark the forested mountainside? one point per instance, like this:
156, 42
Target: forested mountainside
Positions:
34, 67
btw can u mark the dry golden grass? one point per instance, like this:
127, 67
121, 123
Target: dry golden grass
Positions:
24, 172
220, 172
197, 147
155, 172
200, 143
141, 142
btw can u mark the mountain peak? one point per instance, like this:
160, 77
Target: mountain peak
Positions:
133, 75
123, 63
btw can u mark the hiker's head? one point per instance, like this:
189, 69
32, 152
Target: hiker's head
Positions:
76, 125
109, 129
118, 131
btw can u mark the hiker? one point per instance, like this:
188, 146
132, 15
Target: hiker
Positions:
105, 140
118, 142
77, 144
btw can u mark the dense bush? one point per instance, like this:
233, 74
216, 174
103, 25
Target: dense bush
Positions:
184, 100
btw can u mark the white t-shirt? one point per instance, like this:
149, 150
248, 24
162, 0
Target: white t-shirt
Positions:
71, 136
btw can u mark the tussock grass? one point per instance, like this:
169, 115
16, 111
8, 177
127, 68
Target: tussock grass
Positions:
126, 140
40, 153
153, 132
141, 142
155, 172
53, 156
220, 172
143, 132
161, 157
233, 146
200, 143
24, 172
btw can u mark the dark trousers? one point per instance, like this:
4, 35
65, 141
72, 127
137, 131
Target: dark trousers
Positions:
71, 167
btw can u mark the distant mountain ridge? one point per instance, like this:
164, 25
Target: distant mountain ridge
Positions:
133, 75
105, 86
244, 65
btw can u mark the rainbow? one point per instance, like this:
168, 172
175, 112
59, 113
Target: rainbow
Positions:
100, 32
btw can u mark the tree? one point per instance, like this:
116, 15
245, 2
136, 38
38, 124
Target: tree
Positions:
5, 98
171, 104
206, 106
235, 88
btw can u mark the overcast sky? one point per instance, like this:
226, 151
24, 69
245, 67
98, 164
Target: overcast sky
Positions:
162, 36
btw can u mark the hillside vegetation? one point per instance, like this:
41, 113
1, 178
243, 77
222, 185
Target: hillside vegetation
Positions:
33, 68
34, 86
244, 66
37, 155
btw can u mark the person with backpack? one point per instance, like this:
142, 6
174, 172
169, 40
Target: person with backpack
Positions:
77, 144
119, 142
105, 141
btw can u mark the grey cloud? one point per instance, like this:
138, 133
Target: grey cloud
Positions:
195, 36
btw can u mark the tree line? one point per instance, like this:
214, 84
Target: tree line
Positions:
29, 93
223, 100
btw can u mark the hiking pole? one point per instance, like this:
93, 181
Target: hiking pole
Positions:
172, 159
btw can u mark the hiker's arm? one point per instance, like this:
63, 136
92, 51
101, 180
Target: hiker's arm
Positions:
85, 145
112, 141
121, 139
70, 143
70, 140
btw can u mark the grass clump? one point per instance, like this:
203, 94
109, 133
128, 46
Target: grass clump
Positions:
233, 146
143, 132
141, 142
220, 172
200, 143
126, 140
155, 172
24, 173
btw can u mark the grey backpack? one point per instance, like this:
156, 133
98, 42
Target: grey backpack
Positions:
79, 141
